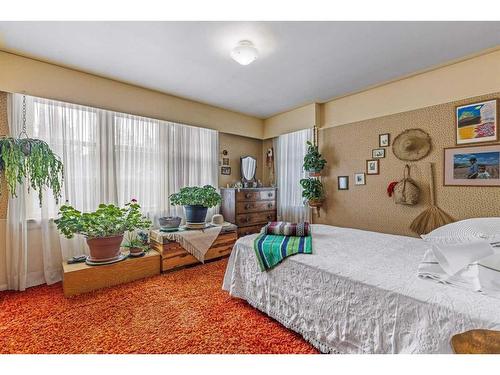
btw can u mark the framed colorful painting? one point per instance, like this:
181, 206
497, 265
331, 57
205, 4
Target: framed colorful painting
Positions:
477, 122
472, 166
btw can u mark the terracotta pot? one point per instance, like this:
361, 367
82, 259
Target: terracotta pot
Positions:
105, 249
136, 251
315, 202
314, 173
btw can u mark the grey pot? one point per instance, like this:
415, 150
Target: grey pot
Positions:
170, 221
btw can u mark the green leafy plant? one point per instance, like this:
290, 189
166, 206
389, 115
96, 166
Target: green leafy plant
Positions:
205, 196
107, 221
32, 160
313, 189
137, 240
313, 161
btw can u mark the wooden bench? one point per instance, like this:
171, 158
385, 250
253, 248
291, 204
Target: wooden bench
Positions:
174, 256
80, 278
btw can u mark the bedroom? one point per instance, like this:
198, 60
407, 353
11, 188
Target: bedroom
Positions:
249, 187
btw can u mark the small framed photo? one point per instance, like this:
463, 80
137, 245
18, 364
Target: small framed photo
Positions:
225, 161
225, 170
372, 167
343, 182
477, 122
378, 153
472, 166
384, 140
359, 179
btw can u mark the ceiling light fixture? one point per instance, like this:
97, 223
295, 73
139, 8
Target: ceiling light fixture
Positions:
244, 53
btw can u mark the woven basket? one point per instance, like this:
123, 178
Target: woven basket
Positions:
406, 191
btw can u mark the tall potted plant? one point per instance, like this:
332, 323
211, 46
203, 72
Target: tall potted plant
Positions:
313, 160
196, 201
103, 228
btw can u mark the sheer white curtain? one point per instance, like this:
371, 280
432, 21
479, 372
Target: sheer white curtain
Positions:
108, 157
290, 150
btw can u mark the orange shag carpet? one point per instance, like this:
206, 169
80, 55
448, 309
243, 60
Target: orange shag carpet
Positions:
180, 312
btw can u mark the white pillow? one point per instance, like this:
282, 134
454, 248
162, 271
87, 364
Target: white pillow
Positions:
465, 230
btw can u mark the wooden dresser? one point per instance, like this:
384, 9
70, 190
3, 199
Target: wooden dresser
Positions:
249, 209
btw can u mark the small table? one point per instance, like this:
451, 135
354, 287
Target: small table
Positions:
81, 278
476, 341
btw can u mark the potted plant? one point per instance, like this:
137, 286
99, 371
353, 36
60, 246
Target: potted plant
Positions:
103, 228
313, 191
313, 161
137, 243
196, 201
32, 160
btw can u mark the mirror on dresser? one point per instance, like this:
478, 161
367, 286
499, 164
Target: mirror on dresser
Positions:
248, 167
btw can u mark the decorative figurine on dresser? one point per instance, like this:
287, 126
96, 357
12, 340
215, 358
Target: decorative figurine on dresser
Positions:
249, 207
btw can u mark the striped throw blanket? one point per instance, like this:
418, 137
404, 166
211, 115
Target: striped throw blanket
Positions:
271, 249
287, 229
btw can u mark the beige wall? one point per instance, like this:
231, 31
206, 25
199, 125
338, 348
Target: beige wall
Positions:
238, 146
18, 74
295, 119
368, 207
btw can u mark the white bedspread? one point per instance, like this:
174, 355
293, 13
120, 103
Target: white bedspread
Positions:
359, 293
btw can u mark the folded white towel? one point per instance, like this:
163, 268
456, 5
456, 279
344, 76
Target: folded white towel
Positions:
489, 275
454, 257
429, 268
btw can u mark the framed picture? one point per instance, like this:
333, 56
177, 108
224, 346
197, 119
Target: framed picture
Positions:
225, 161
472, 166
359, 179
378, 153
477, 122
225, 170
384, 140
343, 182
372, 167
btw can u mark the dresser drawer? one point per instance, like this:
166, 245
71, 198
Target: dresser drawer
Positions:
257, 206
245, 231
255, 195
255, 218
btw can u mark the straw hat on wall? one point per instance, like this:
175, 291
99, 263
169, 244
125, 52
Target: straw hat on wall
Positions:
412, 145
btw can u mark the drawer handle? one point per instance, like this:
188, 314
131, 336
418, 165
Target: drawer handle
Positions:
269, 194
269, 217
247, 206
245, 219
248, 195
269, 205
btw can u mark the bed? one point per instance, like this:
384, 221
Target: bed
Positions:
359, 293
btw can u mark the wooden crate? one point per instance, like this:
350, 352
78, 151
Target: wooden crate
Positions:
173, 255
80, 278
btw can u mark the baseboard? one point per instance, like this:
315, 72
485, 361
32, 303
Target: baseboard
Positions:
3, 287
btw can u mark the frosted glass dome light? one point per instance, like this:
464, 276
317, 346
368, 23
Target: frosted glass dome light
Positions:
244, 53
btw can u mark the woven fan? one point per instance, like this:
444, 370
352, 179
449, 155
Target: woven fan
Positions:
433, 217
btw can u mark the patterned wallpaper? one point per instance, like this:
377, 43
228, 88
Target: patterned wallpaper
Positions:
367, 206
4, 129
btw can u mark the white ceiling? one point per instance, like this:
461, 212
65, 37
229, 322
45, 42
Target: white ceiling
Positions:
299, 63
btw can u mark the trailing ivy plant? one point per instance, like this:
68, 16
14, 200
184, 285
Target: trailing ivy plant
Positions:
31, 160
205, 196
313, 161
313, 189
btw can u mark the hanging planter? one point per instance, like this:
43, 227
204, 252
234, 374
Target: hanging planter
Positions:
32, 161
313, 160
313, 192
